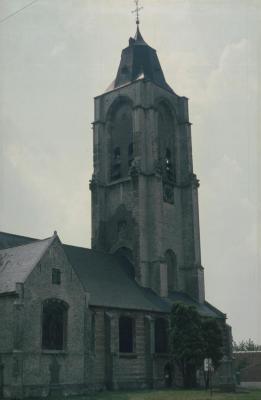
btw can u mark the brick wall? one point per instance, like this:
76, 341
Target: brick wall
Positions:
249, 365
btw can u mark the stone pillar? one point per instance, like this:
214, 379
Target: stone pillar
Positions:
147, 199
98, 181
138, 193
54, 369
225, 375
188, 183
111, 351
149, 350
89, 342
163, 279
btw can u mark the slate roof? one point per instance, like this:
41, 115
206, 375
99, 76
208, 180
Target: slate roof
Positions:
10, 240
109, 281
16, 263
205, 309
139, 59
108, 278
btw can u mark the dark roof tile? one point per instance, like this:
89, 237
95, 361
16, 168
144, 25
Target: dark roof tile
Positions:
109, 281
139, 60
16, 263
108, 278
8, 240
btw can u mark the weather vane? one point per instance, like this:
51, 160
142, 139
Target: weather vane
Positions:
136, 11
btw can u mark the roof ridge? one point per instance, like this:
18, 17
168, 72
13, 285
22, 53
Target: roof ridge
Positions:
34, 242
18, 236
214, 308
88, 248
50, 241
18, 262
78, 247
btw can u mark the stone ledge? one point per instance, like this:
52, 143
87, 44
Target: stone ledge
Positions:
128, 355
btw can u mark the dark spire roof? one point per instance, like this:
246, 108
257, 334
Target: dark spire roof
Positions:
138, 38
139, 60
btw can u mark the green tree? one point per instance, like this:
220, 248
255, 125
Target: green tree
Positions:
186, 341
213, 344
192, 339
246, 345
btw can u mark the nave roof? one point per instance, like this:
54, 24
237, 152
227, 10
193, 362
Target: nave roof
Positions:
107, 278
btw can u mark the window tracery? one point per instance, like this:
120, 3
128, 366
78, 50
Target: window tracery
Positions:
166, 134
121, 133
54, 324
161, 335
126, 334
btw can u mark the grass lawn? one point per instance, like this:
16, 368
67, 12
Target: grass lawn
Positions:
174, 395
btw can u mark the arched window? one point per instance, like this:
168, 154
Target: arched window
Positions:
166, 129
54, 324
126, 335
122, 229
161, 335
116, 164
121, 132
56, 276
166, 135
130, 154
168, 167
172, 270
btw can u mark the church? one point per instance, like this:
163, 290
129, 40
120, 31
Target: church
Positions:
76, 319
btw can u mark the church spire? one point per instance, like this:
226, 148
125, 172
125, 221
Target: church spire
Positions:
139, 61
138, 38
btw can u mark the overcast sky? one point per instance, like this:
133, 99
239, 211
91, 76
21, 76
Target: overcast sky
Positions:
56, 55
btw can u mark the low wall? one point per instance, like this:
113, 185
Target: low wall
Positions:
251, 385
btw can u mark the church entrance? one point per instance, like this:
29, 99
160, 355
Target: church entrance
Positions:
190, 379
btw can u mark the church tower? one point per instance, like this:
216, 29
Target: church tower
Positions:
144, 190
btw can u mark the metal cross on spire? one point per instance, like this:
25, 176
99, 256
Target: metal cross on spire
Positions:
136, 11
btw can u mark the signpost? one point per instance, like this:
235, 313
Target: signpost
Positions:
209, 369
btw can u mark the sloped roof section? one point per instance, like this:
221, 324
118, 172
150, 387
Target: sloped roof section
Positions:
139, 59
8, 240
110, 282
205, 309
108, 278
16, 263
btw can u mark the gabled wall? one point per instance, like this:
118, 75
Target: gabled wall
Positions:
7, 322
29, 370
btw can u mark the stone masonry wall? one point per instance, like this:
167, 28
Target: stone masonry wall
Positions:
115, 370
35, 371
159, 226
6, 339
